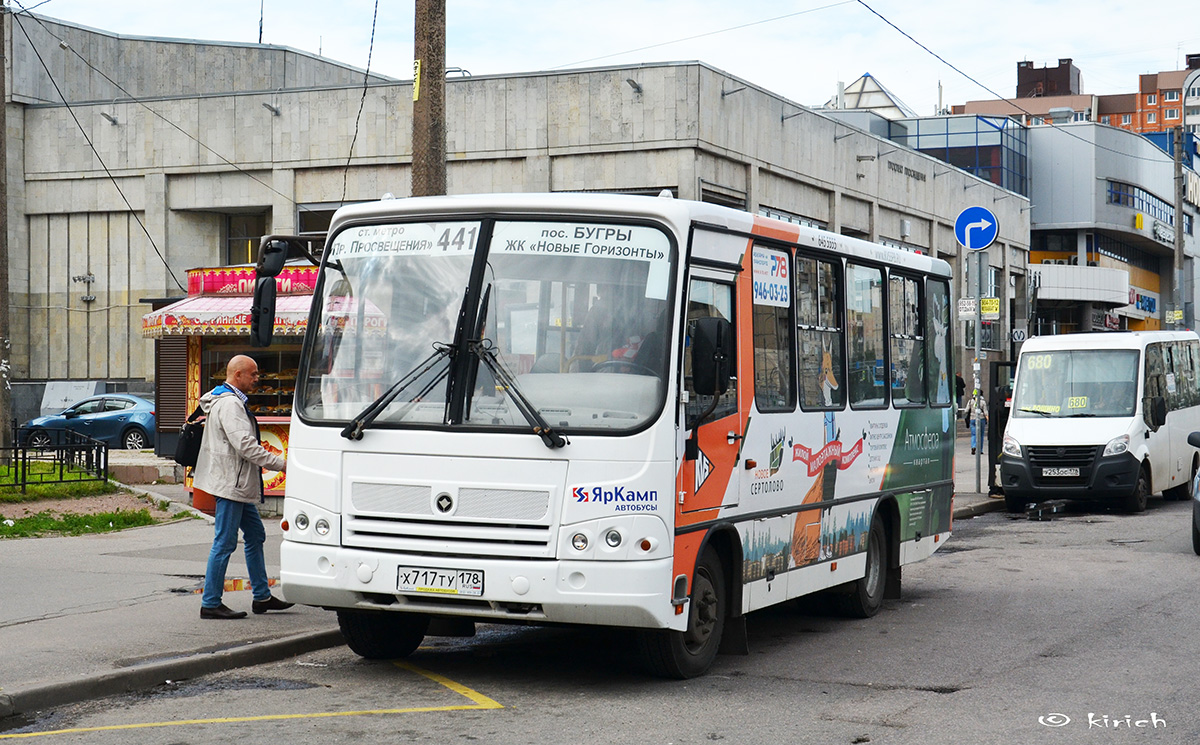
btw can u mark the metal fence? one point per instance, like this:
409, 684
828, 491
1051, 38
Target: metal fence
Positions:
51, 456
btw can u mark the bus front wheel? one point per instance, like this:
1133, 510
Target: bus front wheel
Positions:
382, 635
688, 654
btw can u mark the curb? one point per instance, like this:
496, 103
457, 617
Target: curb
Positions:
172, 506
979, 508
73, 690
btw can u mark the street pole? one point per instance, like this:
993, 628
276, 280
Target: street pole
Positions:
429, 99
6, 411
978, 382
1179, 300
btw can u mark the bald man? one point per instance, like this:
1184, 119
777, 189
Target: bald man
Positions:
230, 468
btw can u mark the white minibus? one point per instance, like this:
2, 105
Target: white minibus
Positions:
1103, 416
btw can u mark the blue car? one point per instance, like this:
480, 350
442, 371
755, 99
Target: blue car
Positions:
119, 419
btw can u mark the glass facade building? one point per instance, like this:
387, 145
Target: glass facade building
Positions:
991, 147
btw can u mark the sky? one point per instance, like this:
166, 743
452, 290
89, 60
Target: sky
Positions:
799, 49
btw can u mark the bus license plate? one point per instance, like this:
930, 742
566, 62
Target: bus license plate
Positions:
1060, 471
441, 581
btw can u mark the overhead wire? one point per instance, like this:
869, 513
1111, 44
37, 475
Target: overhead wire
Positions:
71, 110
1009, 101
701, 36
361, 102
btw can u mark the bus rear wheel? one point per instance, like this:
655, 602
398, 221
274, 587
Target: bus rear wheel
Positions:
1196, 527
866, 596
382, 635
688, 654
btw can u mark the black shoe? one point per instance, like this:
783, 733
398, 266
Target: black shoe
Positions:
221, 612
262, 606
972, 451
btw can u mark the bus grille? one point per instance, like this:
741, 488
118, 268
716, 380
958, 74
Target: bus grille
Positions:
1074, 456
491, 522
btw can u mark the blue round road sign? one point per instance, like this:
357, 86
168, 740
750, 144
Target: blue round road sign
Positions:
976, 228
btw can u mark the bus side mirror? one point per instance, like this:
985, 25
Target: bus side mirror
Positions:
1159, 411
271, 258
262, 312
712, 356
1156, 406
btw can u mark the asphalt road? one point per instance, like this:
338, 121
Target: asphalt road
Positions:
1073, 630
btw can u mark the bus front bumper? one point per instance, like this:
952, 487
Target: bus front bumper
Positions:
1108, 478
608, 593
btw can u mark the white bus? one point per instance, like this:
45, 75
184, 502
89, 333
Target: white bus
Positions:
1103, 416
626, 411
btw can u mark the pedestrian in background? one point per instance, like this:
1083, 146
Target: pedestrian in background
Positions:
977, 409
960, 387
230, 468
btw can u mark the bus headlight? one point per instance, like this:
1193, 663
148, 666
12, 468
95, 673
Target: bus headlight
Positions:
1117, 446
1012, 448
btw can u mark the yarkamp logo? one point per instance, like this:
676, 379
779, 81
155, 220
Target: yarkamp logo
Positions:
623, 498
1106, 721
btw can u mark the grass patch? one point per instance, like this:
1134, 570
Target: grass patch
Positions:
69, 523
56, 490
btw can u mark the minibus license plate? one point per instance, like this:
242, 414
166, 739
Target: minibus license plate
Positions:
1060, 471
441, 581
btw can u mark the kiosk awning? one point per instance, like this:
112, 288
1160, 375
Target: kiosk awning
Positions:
207, 315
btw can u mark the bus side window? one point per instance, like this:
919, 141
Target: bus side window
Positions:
864, 318
907, 331
940, 354
708, 299
822, 334
1154, 380
774, 357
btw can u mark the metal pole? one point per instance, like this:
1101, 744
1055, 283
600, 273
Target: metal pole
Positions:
978, 382
1179, 299
429, 100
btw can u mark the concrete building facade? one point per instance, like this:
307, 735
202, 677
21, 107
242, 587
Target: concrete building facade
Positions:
114, 196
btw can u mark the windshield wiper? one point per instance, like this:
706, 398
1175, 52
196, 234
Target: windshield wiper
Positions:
1036, 411
481, 348
354, 430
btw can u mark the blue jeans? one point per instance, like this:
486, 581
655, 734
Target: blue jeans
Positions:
982, 423
232, 516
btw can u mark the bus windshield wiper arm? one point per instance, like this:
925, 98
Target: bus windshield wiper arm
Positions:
354, 430
482, 349
1033, 410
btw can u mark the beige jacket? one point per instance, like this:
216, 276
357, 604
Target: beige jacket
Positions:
231, 457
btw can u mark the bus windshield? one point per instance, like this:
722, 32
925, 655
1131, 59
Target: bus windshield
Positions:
1077, 383
574, 314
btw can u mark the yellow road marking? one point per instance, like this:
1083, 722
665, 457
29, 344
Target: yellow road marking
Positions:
479, 702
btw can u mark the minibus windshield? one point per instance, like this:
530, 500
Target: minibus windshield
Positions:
1077, 383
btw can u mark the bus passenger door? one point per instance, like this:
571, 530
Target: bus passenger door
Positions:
1158, 382
708, 475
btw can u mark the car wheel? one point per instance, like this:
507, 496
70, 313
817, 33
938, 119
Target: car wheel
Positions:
688, 654
1136, 502
39, 438
134, 439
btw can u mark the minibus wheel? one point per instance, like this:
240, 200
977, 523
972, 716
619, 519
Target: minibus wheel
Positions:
1196, 527
688, 654
382, 635
1136, 502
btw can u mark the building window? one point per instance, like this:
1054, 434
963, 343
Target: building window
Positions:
1126, 119
1128, 195
1193, 111
792, 217
1171, 96
242, 233
1151, 99
1171, 114
1104, 119
1151, 117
